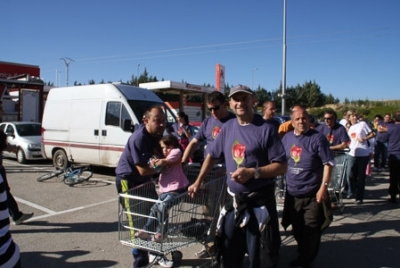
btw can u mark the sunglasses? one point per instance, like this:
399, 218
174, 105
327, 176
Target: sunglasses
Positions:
216, 108
328, 118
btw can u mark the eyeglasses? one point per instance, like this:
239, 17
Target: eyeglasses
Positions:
328, 118
216, 108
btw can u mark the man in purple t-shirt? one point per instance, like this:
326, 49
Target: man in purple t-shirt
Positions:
254, 156
393, 136
133, 169
381, 146
310, 163
211, 126
335, 133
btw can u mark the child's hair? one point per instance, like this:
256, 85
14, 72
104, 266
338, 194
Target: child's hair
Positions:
171, 140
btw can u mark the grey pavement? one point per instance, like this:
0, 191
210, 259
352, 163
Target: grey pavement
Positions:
77, 226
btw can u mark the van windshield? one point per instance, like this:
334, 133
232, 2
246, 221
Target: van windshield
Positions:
139, 107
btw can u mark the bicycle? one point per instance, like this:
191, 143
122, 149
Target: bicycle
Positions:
71, 175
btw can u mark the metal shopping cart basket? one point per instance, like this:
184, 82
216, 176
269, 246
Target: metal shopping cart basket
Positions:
185, 223
337, 177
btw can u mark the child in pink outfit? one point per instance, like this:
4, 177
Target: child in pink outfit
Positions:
172, 182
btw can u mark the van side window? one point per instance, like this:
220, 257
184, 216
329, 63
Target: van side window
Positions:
116, 114
113, 114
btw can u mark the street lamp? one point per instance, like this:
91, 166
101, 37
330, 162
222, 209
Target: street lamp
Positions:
137, 77
252, 77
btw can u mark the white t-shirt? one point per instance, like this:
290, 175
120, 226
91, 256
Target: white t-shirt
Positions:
359, 130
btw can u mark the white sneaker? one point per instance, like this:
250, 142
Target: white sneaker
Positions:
161, 260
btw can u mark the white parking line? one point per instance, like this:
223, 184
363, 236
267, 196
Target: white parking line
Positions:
35, 205
52, 212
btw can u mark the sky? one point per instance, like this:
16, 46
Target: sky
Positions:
350, 48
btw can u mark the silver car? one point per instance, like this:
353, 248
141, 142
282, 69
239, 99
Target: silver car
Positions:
23, 140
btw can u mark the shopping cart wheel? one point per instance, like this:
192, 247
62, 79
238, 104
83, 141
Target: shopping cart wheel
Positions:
176, 256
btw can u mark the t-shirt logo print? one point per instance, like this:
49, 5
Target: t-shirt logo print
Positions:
215, 131
330, 138
238, 152
295, 153
353, 135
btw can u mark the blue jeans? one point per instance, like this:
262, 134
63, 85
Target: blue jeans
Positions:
159, 211
356, 175
380, 154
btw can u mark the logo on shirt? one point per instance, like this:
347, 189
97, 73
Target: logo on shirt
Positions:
238, 152
215, 131
330, 138
295, 153
180, 132
353, 135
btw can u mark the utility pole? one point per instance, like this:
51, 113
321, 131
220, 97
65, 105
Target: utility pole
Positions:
67, 62
284, 59
137, 78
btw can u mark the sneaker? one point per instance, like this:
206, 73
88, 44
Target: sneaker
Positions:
161, 260
204, 254
24, 217
358, 202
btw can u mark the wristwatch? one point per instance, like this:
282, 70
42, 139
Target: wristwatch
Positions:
256, 174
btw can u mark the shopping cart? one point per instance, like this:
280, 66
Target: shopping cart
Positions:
185, 222
337, 177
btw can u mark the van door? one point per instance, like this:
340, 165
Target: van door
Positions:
84, 131
113, 137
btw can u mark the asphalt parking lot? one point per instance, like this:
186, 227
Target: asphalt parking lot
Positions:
72, 226
78, 226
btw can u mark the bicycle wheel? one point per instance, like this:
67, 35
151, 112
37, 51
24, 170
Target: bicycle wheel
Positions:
50, 175
75, 179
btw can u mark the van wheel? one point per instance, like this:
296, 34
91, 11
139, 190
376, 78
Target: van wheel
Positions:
21, 156
60, 160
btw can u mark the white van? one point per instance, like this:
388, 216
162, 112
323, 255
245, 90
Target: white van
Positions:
91, 124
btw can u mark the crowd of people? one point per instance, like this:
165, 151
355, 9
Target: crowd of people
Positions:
254, 150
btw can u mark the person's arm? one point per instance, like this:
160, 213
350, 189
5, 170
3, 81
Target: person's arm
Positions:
322, 193
339, 146
382, 128
270, 171
187, 133
208, 164
145, 169
174, 158
193, 144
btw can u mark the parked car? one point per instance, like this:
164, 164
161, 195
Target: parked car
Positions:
23, 140
282, 118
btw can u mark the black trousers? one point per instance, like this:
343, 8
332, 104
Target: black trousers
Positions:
394, 176
306, 216
262, 247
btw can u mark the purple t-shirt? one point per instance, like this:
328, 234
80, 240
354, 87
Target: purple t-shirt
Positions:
178, 132
335, 135
273, 122
141, 146
255, 144
394, 140
306, 154
210, 128
383, 136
